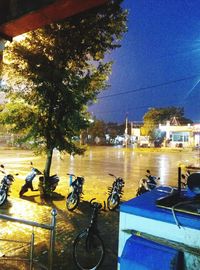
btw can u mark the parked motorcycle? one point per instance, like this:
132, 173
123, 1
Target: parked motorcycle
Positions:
46, 187
152, 181
115, 192
184, 178
5, 185
74, 196
147, 184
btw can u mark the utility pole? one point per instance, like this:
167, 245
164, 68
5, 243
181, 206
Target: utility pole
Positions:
131, 132
126, 131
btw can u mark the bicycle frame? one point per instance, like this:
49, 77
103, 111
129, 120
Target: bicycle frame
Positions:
93, 222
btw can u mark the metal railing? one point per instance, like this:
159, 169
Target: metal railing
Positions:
50, 227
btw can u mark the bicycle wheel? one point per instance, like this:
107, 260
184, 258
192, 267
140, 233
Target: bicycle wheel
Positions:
113, 202
72, 201
88, 251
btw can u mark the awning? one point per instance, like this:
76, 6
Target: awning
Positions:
20, 16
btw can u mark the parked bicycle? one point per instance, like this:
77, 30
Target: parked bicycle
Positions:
88, 247
74, 196
5, 185
115, 193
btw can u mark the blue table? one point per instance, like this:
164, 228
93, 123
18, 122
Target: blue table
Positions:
141, 214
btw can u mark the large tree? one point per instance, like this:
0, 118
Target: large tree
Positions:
55, 72
156, 116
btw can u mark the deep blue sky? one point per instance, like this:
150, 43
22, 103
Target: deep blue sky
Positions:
162, 46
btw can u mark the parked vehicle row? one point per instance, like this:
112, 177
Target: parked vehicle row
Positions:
149, 182
48, 187
114, 192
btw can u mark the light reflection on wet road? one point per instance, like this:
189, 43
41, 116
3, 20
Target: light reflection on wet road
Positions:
94, 166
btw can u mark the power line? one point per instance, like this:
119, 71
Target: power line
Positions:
133, 108
150, 87
123, 111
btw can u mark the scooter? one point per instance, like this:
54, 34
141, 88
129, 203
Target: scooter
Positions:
115, 192
147, 184
74, 196
152, 181
45, 187
5, 185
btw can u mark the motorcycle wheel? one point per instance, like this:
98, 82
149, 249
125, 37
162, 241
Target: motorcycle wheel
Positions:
3, 197
72, 201
141, 191
113, 202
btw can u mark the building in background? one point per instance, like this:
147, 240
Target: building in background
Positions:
181, 136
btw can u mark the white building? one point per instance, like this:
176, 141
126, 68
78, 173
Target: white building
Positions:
181, 136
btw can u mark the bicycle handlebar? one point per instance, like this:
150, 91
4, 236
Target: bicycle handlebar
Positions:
71, 174
94, 204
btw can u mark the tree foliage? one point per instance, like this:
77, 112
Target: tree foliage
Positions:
156, 116
55, 72
101, 129
97, 129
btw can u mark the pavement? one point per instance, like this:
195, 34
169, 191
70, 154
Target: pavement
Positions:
69, 224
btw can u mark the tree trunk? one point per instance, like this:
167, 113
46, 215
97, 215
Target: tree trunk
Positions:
44, 184
48, 163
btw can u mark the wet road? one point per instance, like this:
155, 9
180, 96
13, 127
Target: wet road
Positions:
94, 166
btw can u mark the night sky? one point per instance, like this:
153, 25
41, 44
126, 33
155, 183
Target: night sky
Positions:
158, 64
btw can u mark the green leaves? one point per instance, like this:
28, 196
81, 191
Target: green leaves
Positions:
156, 116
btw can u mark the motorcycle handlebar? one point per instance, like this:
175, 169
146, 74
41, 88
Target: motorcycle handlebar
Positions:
4, 172
38, 172
112, 175
71, 174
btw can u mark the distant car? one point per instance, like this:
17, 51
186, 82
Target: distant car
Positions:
179, 145
144, 145
158, 143
144, 141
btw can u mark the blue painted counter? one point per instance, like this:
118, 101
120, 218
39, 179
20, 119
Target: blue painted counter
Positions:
145, 206
142, 214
